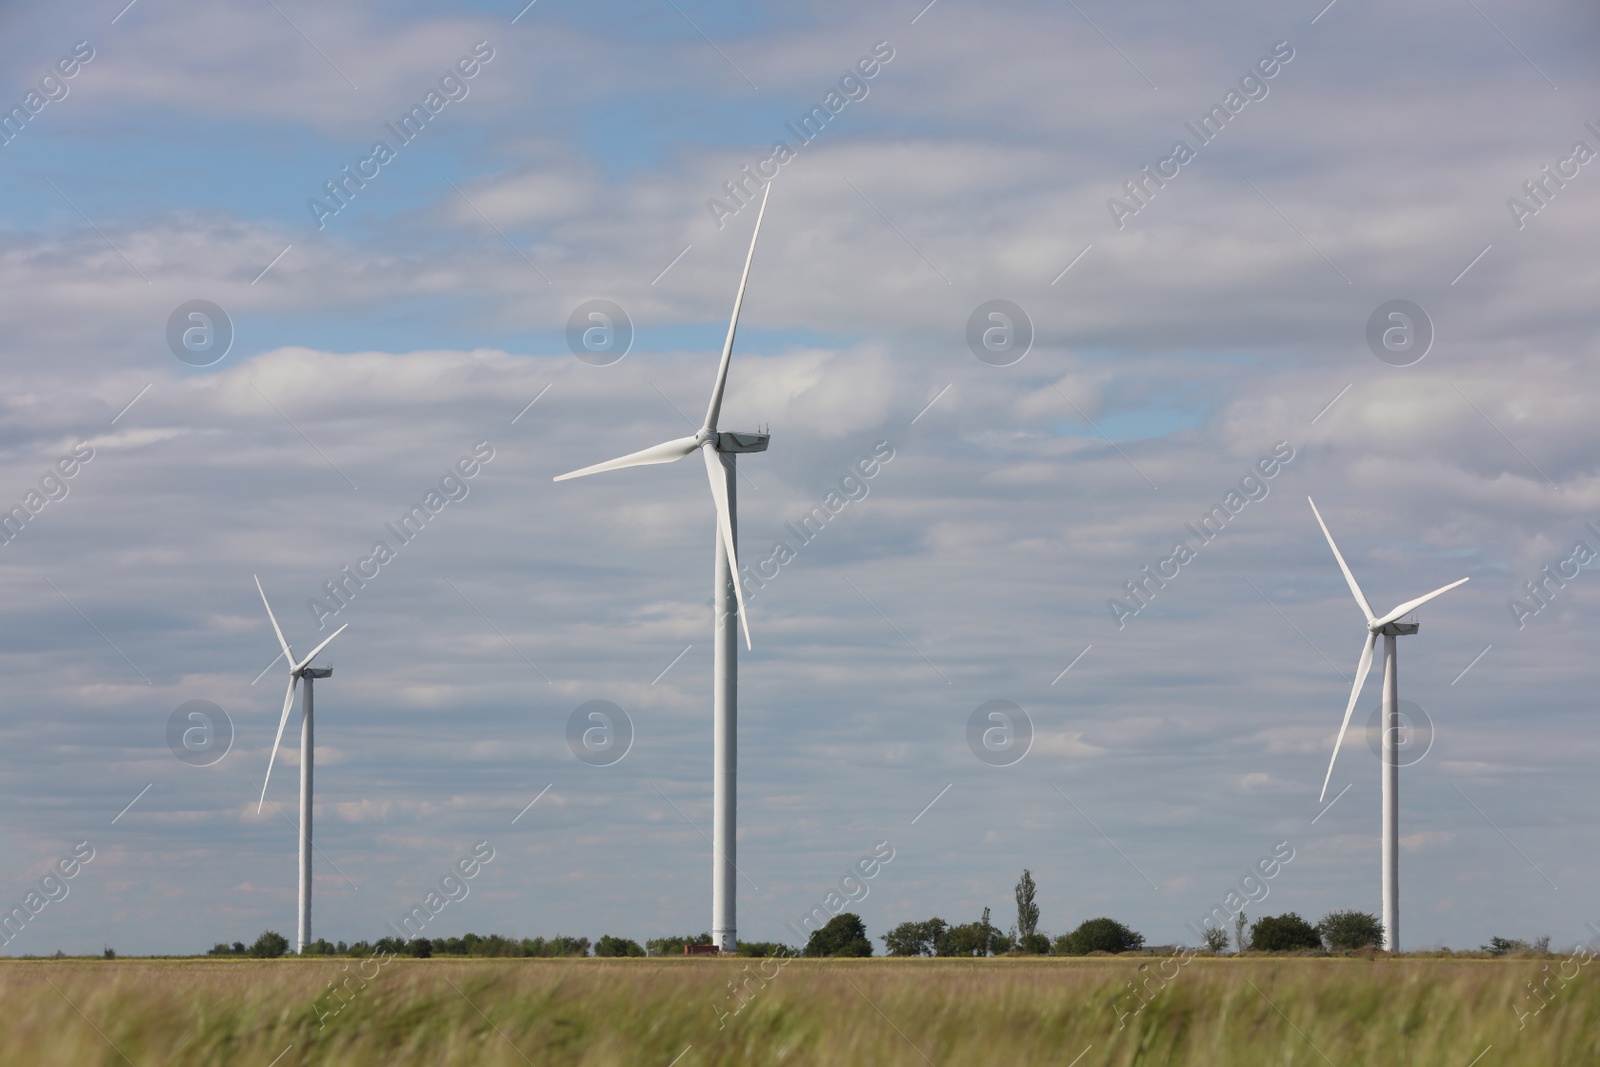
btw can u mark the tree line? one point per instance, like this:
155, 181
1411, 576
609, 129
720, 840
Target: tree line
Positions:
845, 935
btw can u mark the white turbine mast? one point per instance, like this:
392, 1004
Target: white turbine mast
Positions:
1390, 627
718, 448
298, 670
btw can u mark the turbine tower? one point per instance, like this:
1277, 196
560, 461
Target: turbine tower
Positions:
719, 449
1390, 627
297, 671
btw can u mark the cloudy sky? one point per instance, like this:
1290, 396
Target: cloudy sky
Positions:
1178, 337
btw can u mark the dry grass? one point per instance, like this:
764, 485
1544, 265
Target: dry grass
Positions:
1221, 1013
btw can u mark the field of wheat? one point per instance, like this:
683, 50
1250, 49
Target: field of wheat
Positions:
690, 1012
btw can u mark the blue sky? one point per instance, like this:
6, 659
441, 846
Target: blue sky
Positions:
1227, 315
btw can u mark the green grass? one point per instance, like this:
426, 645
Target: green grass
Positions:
1220, 1013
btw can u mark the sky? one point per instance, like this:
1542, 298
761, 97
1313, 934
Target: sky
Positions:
1178, 322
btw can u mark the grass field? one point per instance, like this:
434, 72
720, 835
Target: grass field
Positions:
1222, 1013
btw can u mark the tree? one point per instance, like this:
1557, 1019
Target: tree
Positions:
992, 937
617, 946
1216, 938
269, 946
1098, 935
1284, 933
1351, 930
1239, 942
915, 939
1027, 910
843, 935
970, 939
967, 939
562, 945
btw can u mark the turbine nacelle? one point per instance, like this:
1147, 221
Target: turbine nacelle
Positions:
736, 442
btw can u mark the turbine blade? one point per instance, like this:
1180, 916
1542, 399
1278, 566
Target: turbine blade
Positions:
320, 647
719, 492
281, 642
288, 702
1362, 668
1354, 588
667, 452
715, 410
1411, 605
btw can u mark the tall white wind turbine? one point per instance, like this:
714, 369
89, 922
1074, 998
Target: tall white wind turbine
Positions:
718, 449
1390, 627
298, 670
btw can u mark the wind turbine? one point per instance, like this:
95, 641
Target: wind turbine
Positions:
297, 671
718, 449
1390, 627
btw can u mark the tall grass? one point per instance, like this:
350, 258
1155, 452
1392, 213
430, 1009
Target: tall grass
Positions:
1220, 1013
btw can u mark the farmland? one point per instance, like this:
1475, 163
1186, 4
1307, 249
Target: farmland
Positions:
1221, 1012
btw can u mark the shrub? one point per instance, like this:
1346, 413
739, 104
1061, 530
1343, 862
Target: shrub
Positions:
673, 946
617, 946
1098, 935
1284, 933
269, 946
1507, 946
761, 949
843, 935
1351, 930
1036, 943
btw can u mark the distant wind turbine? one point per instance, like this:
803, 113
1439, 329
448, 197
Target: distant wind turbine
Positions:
1390, 627
297, 671
718, 449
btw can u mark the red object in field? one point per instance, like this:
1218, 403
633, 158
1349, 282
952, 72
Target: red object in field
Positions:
700, 950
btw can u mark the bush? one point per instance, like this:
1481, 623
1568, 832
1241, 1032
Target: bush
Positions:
1510, 946
617, 946
843, 935
1098, 935
269, 946
673, 946
1035, 943
1284, 933
761, 949
1346, 930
